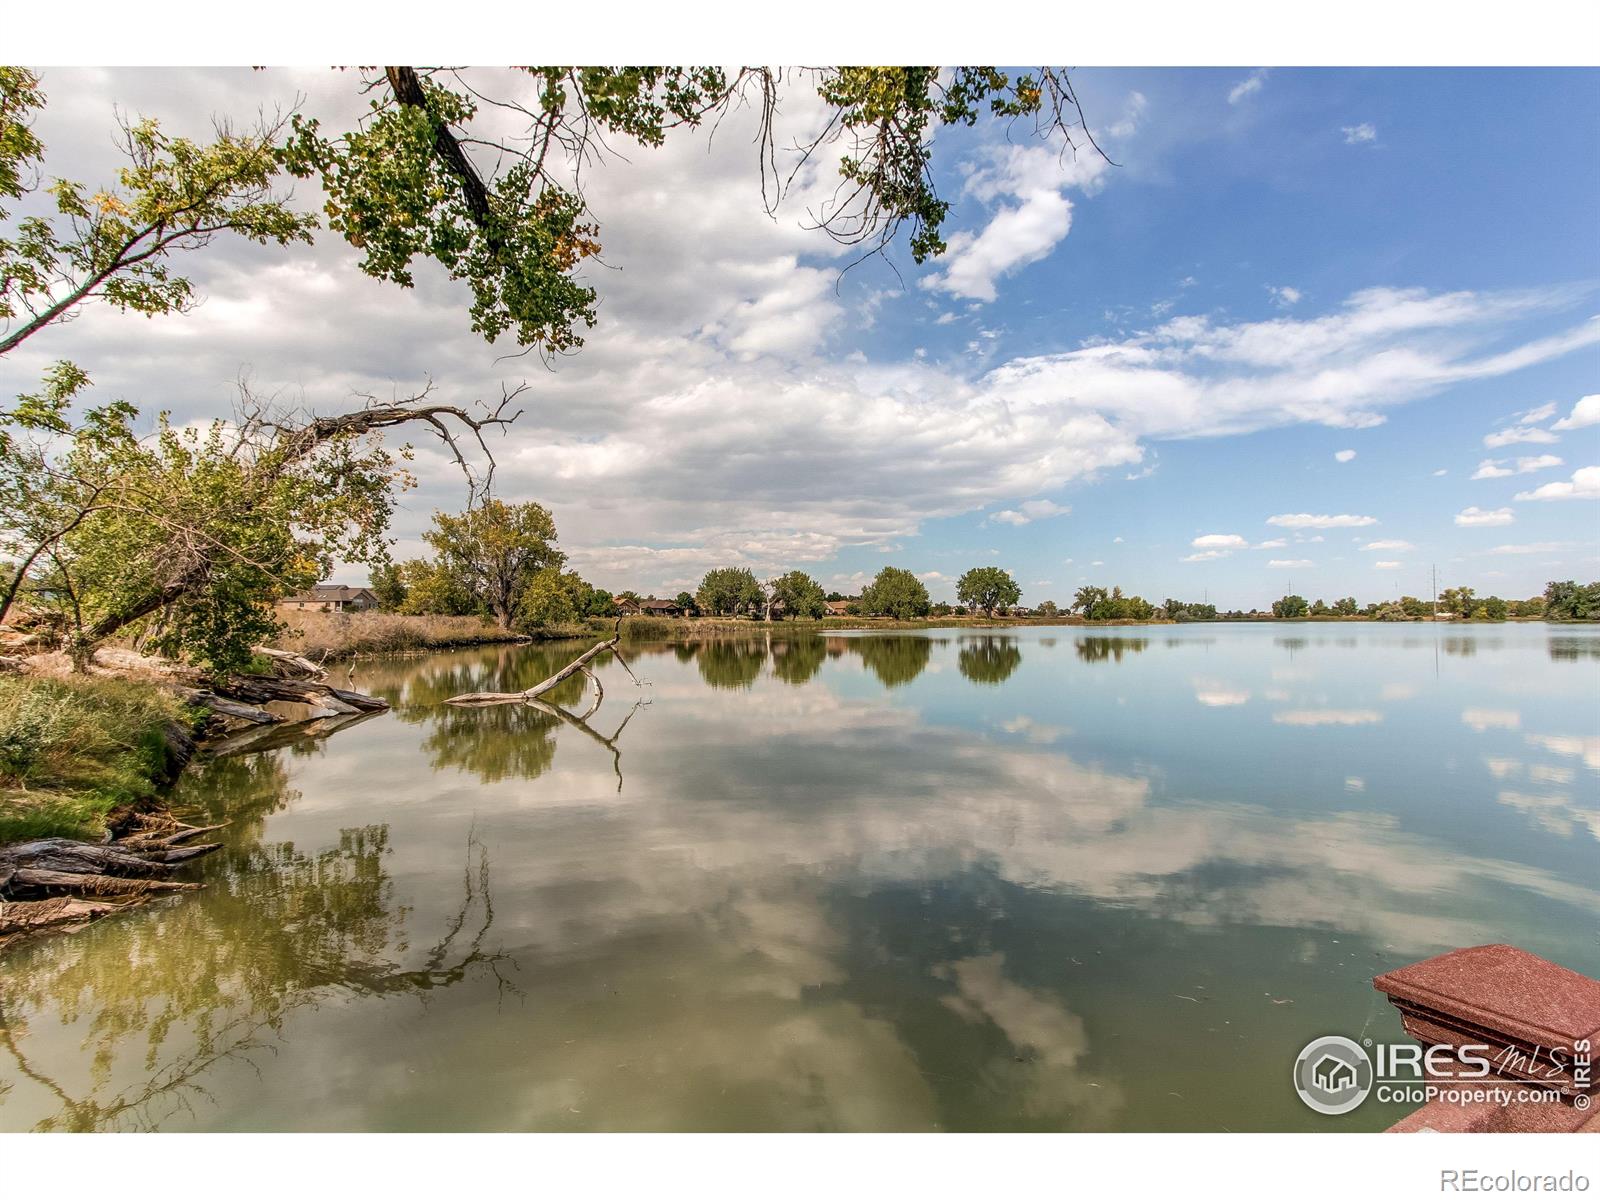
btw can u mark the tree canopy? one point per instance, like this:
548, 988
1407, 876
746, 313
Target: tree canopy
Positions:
482, 172
495, 549
988, 588
729, 591
895, 592
800, 595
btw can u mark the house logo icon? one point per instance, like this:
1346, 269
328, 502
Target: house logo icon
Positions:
1333, 1075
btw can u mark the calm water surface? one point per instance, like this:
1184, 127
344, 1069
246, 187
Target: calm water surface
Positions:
1049, 879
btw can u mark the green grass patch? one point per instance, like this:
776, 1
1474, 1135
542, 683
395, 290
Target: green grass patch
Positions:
72, 750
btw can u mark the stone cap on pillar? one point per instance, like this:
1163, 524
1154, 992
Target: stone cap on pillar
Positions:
1539, 1020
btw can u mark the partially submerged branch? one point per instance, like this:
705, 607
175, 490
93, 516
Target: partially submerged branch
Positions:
572, 668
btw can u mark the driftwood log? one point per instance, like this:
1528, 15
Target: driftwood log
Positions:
58, 882
297, 691
581, 663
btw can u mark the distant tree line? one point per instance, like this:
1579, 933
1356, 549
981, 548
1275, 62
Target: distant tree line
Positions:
501, 561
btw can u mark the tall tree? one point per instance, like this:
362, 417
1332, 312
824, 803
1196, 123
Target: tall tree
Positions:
1290, 607
895, 592
988, 588
800, 595
495, 549
729, 591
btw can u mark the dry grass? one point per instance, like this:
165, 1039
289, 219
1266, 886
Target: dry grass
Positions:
344, 635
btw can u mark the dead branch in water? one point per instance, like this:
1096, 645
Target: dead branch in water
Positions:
580, 663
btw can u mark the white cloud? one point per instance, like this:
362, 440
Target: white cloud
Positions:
737, 421
1290, 562
1204, 556
1499, 468
1441, 471
1030, 183
1271, 544
1584, 485
1116, 540
1389, 544
1355, 135
1248, 86
1319, 521
1585, 412
1485, 516
1388, 564
1031, 510
1219, 541
1343, 456
1523, 431
1284, 297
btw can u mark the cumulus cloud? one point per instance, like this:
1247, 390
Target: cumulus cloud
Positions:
1290, 562
1248, 86
1389, 544
1499, 468
1320, 521
1526, 429
1357, 135
1219, 541
1284, 297
1204, 556
1584, 485
1029, 185
1388, 564
1343, 456
1031, 510
1585, 412
1474, 515
738, 421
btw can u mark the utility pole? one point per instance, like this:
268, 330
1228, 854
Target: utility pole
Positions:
1435, 591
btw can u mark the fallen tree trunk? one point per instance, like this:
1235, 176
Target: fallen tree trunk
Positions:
41, 882
51, 882
580, 663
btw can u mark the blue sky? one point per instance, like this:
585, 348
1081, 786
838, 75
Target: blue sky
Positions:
1118, 375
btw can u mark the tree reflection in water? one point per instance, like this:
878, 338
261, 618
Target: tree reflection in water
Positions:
989, 660
300, 928
498, 741
730, 664
797, 660
1100, 649
894, 660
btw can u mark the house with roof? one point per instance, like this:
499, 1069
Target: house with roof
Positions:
331, 597
836, 608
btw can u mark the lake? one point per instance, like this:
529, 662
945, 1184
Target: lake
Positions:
1032, 879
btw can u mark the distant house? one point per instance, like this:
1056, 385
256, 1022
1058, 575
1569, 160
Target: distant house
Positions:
332, 597
627, 608
836, 608
660, 608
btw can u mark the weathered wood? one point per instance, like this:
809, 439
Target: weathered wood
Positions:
28, 880
290, 663
358, 700
224, 707
539, 689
